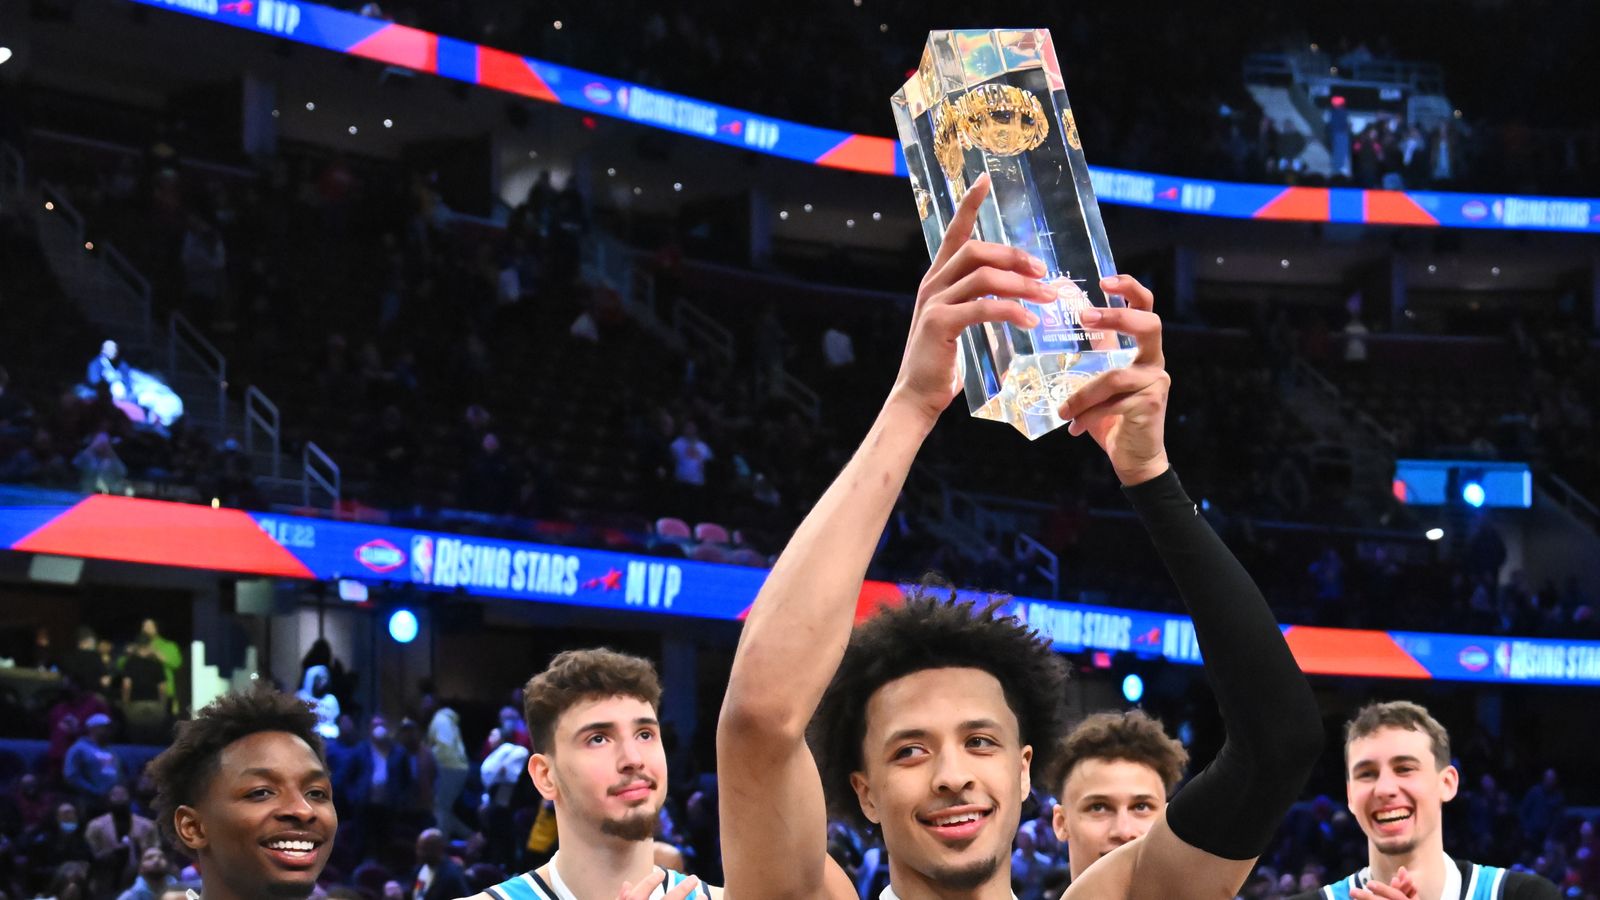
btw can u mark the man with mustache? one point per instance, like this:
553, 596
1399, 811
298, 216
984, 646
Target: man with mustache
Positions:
244, 790
597, 756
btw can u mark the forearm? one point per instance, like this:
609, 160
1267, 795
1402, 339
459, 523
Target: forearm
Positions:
1274, 730
796, 632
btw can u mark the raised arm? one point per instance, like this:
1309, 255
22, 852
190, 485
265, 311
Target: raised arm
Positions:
774, 821
1210, 834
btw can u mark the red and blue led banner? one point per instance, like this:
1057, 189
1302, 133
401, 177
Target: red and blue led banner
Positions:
174, 534
423, 51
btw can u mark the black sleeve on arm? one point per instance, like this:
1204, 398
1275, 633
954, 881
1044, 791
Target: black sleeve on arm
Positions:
1274, 730
1528, 886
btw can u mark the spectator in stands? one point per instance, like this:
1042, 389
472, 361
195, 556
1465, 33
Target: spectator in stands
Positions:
91, 769
1543, 806
450, 753
205, 265
1337, 134
169, 654
1444, 157
70, 882
110, 369
501, 771
317, 691
119, 839
437, 876
55, 843
1355, 340
31, 804
155, 877
488, 484
16, 416
422, 771
144, 693
84, 665
100, 470
689, 457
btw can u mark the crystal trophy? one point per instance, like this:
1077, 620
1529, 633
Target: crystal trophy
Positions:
994, 101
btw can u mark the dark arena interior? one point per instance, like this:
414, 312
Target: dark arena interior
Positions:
374, 354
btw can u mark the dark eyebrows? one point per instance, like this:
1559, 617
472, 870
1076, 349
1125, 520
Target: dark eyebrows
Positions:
1107, 798
1393, 760
594, 727
273, 774
909, 734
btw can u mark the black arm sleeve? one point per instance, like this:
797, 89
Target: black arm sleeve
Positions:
1274, 730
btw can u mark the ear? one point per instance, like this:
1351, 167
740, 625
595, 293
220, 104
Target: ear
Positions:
1027, 771
869, 808
541, 768
186, 822
1058, 824
1449, 783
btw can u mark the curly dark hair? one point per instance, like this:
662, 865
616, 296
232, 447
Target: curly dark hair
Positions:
184, 770
934, 632
577, 675
1131, 736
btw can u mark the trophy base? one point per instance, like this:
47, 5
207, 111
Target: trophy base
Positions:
1035, 386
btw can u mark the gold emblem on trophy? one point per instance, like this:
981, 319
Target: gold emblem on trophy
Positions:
950, 143
1003, 119
1072, 131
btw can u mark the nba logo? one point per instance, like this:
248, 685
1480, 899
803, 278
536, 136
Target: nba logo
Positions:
422, 559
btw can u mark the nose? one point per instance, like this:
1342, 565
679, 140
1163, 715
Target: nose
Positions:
1386, 786
1123, 827
631, 758
951, 775
295, 806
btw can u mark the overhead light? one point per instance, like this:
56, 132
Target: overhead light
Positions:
1494, 270
388, 123
5, 52
533, 154
1432, 268
88, 245
556, 24
1132, 688
1434, 534
612, 172
1473, 495
637, 191
677, 185
849, 223
877, 217
807, 207
310, 107
1283, 263
403, 626
49, 207
352, 129
783, 214
884, 28
1219, 260
276, 114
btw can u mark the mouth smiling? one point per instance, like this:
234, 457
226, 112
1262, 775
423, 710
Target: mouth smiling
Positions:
956, 824
296, 851
1387, 819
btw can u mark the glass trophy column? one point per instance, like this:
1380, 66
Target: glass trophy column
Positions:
994, 101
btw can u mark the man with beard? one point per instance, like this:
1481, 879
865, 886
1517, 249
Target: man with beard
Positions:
928, 718
1398, 777
244, 790
597, 756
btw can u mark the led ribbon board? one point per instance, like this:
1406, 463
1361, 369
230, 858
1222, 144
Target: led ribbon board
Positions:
423, 51
187, 536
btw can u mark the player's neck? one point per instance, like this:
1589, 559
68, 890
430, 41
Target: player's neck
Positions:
594, 865
909, 884
1425, 864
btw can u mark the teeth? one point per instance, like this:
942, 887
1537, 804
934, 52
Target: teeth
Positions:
1395, 816
293, 846
957, 820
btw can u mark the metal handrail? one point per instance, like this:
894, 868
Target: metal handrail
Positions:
689, 319
1321, 383
1050, 569
16, 170
1569, 497
260, 412
58, 199
331, 484
800, 394
135, 281
181, 330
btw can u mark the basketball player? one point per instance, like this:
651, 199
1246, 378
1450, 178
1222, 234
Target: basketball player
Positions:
929, 717
597, 756
1113, 773
1398, 777
244, 790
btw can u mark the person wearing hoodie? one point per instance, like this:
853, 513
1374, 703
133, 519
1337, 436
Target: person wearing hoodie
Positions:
314, 690
450, 753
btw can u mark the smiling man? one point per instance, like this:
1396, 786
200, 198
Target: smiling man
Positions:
1113, 773
1398, 777
597, 756
244, 790
928, 720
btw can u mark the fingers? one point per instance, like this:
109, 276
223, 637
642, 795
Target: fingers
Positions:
684, 889
987, 281
1109, 386
643, 889
951, 320
1130, 290
1141, 325
974, 256
959, 231
1377, 890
